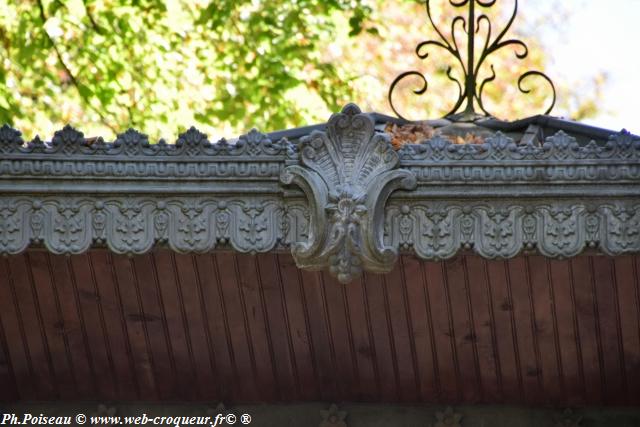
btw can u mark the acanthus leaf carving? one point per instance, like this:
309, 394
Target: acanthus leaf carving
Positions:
14, 232
68, 226
68, 141
498, 231
130, 227
440, 233
255, 144
128, 143
256, 224
622, 225
562, 231
190, 226
559, 146
36, 145
347, 173
192, 142
10, 139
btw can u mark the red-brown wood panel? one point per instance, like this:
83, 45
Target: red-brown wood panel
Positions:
91, 319
278, 327
28, 304
627, 284
47, 309
483, 318
419, 313
588, 329
260, 347
195, 321
136, 325
155, 321
183, 374
10, 333
313, 294
402, 334
331, 299
546, 329
253, 328
464, 334
564, 312
609, 323
382, 350
520, 294
313, 366
508, 352
361, 345
238, 329
217, 328
123, 369
446, 355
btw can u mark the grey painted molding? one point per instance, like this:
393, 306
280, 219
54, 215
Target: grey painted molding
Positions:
341, 199
347, 174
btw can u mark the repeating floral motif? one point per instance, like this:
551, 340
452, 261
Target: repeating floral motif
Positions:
189, 226
622, 225
499, 231
560, 146
195, 224
132, 143
500, 159
132, 225
68, 230
131, 155
11, 230
10, 139
502, 230
564, 231
326, 196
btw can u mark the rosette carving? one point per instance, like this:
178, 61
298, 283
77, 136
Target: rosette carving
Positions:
347, 173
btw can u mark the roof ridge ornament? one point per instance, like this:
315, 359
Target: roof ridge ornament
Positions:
469, 91
347, 174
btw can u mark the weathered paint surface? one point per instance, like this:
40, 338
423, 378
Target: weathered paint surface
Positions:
240, 328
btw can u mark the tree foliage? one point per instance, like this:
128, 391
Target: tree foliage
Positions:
224, 65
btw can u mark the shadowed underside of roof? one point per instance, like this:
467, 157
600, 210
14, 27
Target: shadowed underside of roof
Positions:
240, 328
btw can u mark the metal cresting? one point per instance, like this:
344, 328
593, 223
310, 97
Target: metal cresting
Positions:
471, 89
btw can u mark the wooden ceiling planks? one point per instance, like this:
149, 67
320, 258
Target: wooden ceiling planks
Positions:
242, 328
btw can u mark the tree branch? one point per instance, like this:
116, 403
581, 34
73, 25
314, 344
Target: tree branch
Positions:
97, 28
72, 77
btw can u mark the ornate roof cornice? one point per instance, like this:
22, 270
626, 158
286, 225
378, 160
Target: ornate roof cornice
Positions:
340, 199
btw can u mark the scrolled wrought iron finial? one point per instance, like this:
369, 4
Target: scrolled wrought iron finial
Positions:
470, 91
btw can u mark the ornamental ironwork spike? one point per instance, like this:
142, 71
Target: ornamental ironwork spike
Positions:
470, 91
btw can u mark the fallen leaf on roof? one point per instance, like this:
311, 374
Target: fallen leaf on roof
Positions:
413, 133
416, 133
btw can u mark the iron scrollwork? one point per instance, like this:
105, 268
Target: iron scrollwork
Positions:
469, 91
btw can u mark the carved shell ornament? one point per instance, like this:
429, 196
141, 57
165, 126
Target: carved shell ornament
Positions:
347, 173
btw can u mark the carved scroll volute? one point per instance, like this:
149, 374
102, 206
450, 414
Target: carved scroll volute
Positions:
347, 174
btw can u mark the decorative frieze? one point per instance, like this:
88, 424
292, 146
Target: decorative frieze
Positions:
132, 225
341, 199
499, 229
436, 230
